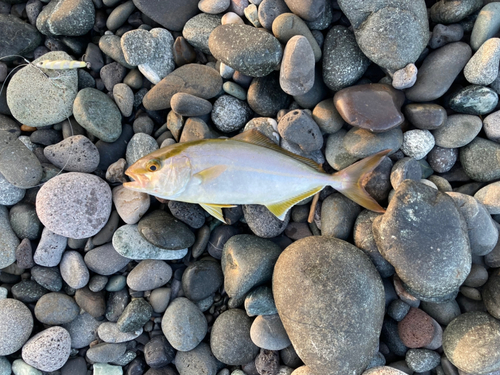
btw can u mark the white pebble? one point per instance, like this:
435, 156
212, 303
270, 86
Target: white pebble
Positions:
417, 143
231, 18
405, 78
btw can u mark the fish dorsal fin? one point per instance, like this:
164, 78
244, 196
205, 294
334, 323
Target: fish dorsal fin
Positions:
279, 209
216, 210
209, 173
255, 137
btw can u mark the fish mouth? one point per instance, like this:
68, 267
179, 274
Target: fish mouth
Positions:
138, 181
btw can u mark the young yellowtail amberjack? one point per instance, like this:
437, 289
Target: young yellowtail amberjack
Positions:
246, 169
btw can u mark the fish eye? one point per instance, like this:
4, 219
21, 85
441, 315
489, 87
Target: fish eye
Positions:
153, 165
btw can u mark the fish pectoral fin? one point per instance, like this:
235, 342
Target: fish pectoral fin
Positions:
216, 210
279, 209
209, 174
255, 137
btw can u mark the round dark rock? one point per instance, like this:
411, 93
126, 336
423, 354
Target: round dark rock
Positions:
230, 338
440, 226
471, 342
442, 159
262, 222
158, 352
309, 10
48, 277
105, 352
327, 264
425, 116
267, 332
200, 360
265, 96
474, 100
189, 213
171, 14
104, 260
246, 49
269, 10
218, 239
202, 278
163, 230
83, 330
260, 301
298, 127
28, 291
338, 214
25, 222
443, 312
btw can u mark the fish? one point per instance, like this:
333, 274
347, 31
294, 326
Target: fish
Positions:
62, 64
246, 169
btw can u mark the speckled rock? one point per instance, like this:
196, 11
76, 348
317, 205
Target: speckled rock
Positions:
262, 222
198, 29
246, 49
200, 360
457, 131
8, 240
138, 46
230, 114
417, 143
15, 326
427, 279
83, 330
445, 12
74, 154
48, 350
109, 332
35, 100
161, 63
135, 315
130, 205
61, 17
480, 160
327, 264
9, 194
482, 67
474, 100
105, 260
74, 205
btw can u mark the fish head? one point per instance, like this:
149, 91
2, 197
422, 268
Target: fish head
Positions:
160, 174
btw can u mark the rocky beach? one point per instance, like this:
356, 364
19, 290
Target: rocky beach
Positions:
98, 279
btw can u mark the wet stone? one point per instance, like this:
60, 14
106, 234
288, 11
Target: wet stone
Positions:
383, 113
474, 100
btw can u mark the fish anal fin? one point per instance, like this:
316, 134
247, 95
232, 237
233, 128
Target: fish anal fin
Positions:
279, 209
209, 173
216, 210
352, 177
255, 137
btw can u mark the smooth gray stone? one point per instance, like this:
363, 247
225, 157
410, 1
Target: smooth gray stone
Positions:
360, 143
106, 352
198, 29
491, 295
442, 35
492, 126
135, 315
171, 14
140, 145
119, 15
343, 62
105, 260
328, 263
443, 312
438, 273
18, 37
202, 278
8, 240
149, 274
162, 62
299, 128
482, 68
56, 309
129, 243
265, 96
15, 326
457, 131
62, 18
338, 214
297, 66
488, 195
438, 72
48, 277
109, 332
83, 330
260, 301
480, 160
24, 221
138, 46
74, 271
267, 332
124, 98
10, 194
270, 9
445, 12
246, 49
189, 105
487, 24
110, 45
309, 10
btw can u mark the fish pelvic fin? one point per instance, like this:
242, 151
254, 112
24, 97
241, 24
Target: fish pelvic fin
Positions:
351, 178
279, 209
216, 210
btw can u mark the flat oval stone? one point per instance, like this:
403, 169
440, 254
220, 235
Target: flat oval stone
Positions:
48, 350
297, 67
360, 143
445, 12
15, 326
190, 105
109, 332
246, 49
438, 72
481, 160
202, 278
482, 68
74, 154
487, 24
330, 273
343, 62
149, 274
472, 342
163, 230
105, 260
84, 198
457, 131
425, 223
198, 29
426, 116
98, 114
8, 240
195, 79
375, 107
171, 14
267, 332
56, 308
474, 100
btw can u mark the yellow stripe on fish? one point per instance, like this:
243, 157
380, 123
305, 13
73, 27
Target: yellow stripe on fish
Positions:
61, 64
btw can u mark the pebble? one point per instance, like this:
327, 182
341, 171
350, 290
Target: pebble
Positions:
487, 24
416, 329
20, 36
138, 46
360, 143
383, 113
111, 75
327, 117
16, 325
235, 90
56, 308
27, 291
48, 350
19, 367
444, 12
267, 332
9, 194
18, 165
269, 10
159, 299
491, 126
478, 276
105, 352
213, 6
134, 316
405, 78
130, 205
488, 196
24, 254
297, 66
149, 274
417, 143
140, 145
421, 360
474, 100
457, 131
124, 98
84, 198
161, 63
106, 369
231, 18
163, 230
109, 332
442, 159
230, 114
260, 301
445, 34
482, 67
104, 120
247, 261
129, 243
74, 154
200, 360
438, 71
110, 45
383, 370
83, 330
49, 278
194, 79
91, 302
198, 29
327, 264
412, 202
30, 95
236, 45
111, 152
443, 312
119, 15
481, 331
265, 96
299, 128
158, 352
74, 271
189, 105
218, 239
183, 324
24, 221
262, 222
171, 14
55, 19
288, 25
105, 260
391, 45
202, 278
479, 161
190, 214
338, 214
230, 338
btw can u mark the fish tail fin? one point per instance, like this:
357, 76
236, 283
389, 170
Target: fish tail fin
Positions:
351, 177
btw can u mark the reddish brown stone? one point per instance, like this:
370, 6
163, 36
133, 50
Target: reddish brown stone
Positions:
416, 330
184, 53
375, 106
